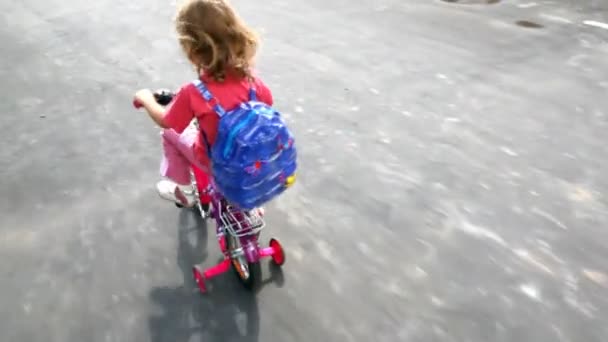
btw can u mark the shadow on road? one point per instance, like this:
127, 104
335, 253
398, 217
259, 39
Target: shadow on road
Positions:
226, 313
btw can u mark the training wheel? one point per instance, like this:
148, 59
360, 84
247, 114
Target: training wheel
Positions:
197, 272
278, 257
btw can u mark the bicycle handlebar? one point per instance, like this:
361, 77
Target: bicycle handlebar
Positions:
162, 96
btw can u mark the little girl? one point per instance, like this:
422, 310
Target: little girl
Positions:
221, 48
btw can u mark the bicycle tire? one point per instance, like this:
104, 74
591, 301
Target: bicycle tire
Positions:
254, 269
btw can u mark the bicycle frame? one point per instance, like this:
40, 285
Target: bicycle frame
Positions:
231, 222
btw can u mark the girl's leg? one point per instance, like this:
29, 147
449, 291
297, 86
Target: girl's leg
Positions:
178, 155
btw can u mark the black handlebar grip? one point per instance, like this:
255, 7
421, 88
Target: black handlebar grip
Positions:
163, 96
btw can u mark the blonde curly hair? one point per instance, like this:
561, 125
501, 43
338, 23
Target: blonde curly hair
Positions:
215, 39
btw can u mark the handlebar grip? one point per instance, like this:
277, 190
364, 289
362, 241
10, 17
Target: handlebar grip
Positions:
137, 104
162, 96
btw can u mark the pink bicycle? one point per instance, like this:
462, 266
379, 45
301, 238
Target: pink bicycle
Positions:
237, 231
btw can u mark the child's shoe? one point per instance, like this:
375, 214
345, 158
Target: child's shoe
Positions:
182, 195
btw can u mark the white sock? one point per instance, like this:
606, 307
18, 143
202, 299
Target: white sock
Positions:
186, 189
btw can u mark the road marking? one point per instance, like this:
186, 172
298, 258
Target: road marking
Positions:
555, 18
549, 218
508, 151
528, 5
530, 291
596, 24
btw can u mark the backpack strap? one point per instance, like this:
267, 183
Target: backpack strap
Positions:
206, 142
252, 93
206, 94
217, 108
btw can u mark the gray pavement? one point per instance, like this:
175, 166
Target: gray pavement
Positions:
452, 184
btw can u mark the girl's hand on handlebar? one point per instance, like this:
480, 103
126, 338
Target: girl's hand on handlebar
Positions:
144, 98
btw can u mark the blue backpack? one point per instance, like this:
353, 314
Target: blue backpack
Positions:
254, 157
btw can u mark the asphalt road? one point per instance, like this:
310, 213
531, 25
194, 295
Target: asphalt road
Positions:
452, 183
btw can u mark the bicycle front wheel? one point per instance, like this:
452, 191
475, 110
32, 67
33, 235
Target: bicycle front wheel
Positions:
248, 273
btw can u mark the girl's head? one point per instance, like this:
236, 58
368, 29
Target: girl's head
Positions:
215, 39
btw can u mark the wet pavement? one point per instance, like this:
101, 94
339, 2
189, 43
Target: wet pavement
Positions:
450, 187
